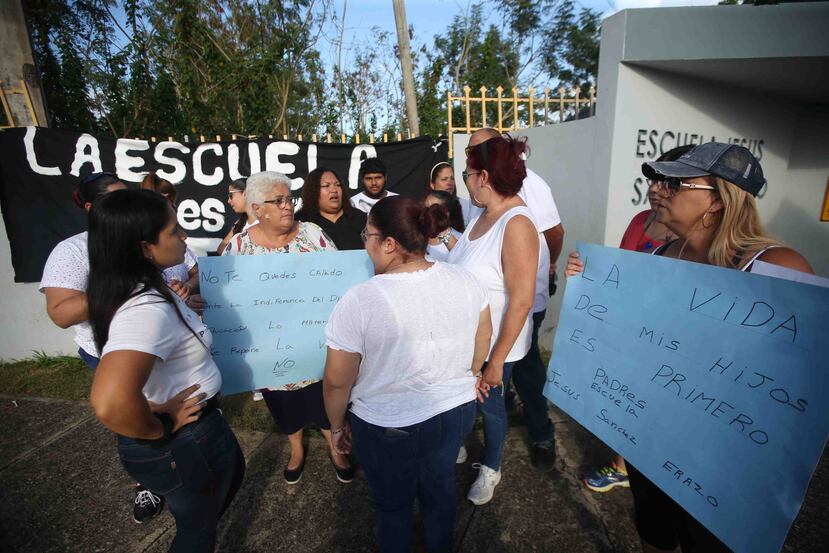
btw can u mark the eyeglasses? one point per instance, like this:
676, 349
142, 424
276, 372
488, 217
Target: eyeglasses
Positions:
282, 201
467, 174
674, 185
230, 193
364, 234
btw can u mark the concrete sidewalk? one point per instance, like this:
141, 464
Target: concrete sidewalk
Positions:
63, 489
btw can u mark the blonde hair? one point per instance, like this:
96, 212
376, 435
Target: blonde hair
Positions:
740, 232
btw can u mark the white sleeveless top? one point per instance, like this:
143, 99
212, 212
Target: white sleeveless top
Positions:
482, 257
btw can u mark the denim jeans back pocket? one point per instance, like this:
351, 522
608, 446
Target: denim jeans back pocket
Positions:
155, 470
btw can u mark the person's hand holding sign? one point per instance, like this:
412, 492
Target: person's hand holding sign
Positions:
574, 265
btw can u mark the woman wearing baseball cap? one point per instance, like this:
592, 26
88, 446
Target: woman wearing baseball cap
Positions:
706, 198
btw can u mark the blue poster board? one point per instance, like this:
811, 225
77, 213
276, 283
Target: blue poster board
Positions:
710, 381
267, 313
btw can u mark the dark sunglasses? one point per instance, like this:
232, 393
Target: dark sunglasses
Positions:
675, 184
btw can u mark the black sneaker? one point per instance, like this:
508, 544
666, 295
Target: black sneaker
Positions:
543, 455
146, 504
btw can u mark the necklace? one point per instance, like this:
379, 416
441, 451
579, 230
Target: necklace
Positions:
394, 270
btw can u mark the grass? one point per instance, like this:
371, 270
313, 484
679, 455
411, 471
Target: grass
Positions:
63, 377
67, 377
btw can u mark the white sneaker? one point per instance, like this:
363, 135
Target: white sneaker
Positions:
257, 396
483, 489
462, 455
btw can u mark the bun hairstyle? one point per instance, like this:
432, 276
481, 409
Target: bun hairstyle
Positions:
157, 184
408, 221
453, 207
92, 188
503, 158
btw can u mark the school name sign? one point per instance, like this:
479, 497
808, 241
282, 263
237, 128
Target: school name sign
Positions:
267, 313
708, 380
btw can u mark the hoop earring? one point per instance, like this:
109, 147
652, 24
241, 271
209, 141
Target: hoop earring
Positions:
703, 220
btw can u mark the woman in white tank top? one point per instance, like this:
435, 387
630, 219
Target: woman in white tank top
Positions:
706, 198
500, 247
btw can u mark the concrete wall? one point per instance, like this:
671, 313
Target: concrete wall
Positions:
26, 327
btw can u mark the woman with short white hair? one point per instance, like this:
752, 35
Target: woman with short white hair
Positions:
293, 406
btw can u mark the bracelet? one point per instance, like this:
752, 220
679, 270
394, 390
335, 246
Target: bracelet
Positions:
444, 237
338, 431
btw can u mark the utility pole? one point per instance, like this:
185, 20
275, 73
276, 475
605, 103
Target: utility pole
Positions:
22, 99
406, 66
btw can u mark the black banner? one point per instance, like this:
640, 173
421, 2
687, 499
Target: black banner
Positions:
40, 168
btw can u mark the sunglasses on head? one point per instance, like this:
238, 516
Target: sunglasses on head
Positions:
95, 176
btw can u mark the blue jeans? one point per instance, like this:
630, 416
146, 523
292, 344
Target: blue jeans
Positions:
494, 413
529, 376
415, 461
198, 472
90, 360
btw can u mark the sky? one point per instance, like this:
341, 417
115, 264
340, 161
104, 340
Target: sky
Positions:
431, 17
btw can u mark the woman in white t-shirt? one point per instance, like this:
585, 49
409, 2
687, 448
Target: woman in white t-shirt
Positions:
405, 350
156, 385
67, 269
501, 248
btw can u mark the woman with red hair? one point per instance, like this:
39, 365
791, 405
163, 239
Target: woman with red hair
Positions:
500, 247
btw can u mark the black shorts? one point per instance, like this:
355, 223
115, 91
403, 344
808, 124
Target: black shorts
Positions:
294, 410
661, 522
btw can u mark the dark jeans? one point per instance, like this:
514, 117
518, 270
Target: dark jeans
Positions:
529, 376
198, 472
90, 360
415, 461
494, 413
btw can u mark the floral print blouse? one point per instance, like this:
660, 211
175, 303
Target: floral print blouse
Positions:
310, 238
